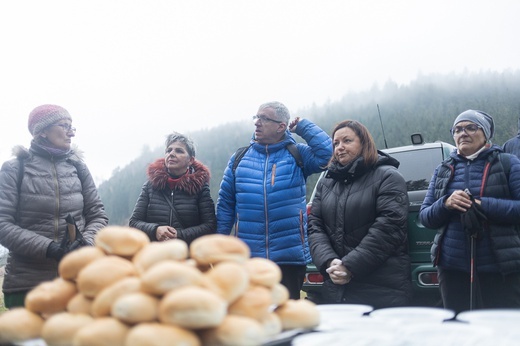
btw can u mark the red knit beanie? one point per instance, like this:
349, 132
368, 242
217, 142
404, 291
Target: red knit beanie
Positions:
46, 115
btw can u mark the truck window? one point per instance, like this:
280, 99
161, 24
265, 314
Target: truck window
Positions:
417, 166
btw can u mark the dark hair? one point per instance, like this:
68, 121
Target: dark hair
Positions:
179, 137
368, 146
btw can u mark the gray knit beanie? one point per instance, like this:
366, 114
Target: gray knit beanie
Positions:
46, 115
480, 118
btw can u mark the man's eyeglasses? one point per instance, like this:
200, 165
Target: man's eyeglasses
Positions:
66, 127
265, 119
470, 129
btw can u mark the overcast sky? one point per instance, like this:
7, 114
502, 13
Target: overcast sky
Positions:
129, 72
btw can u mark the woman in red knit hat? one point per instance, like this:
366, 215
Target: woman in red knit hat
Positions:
39, 189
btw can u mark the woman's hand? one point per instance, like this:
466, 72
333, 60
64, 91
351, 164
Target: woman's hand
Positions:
459, 200
164, 233
339, 274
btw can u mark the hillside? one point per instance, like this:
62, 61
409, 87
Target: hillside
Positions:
427, 105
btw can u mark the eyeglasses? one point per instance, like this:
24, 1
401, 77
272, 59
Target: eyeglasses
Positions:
66, 127
470, 129
265, 119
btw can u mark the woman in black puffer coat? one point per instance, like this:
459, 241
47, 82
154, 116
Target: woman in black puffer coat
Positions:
358, 224
175, 202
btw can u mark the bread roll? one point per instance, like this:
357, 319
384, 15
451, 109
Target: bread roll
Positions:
263, 272
279, 294
59, 329
192, 307
215, 248
153, 253
102, 303
234, 331
272, 324
74, 261
298, 314
228, 279
155, 334
79, 304
104, 331
102, 273
121, 241
19, 324
168, 275
254, 303
137, 307
50, 296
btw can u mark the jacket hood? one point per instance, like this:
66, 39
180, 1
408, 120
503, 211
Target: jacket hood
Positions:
358, 167
21, 152
191, 182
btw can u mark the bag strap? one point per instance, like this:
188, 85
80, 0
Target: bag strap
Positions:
291, 147
166, 197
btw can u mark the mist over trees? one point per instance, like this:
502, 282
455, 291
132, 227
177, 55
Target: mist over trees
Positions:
428, 105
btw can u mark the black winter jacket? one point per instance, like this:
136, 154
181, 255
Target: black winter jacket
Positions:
359, 214
195, 210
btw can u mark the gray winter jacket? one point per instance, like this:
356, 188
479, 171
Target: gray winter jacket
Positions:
51, 188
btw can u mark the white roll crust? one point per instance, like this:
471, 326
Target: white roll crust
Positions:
168, 275
271, 324
79, 304
59, 329
74, 261
235, 331
263, 272
192, 307
153, 253
105, 331
155, 334
254, 303
50, 296
121, 241
102, 303
134, 308
280, 294
102, 273
298, 314
228, 279
19, 324
215, 248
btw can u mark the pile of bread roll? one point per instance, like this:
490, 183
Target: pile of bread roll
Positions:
129, 291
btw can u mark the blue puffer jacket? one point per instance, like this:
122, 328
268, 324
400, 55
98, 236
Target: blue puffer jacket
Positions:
267, 205
512, 146
499, 249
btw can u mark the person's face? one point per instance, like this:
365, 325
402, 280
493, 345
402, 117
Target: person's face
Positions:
177, 158
269, 129
59, 135
468, 142
347, 145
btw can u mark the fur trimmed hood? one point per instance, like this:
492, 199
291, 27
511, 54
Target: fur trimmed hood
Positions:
191, 182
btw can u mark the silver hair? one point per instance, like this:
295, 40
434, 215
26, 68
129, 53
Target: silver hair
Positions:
279, 109
179, 137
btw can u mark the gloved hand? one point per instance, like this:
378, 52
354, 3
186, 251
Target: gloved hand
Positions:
473, 219
55, 251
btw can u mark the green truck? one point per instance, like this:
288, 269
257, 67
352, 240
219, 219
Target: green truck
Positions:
417, 163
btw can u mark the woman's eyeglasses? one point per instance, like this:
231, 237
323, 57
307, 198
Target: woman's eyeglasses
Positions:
66, 127
265, 119
470, 129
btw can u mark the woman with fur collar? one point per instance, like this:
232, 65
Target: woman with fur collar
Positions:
175, 202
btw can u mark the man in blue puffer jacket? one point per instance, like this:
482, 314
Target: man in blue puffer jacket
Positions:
264, 199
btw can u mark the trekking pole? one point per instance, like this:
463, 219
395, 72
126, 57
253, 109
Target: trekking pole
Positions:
472, 272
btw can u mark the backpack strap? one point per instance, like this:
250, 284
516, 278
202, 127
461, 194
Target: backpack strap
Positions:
291, 147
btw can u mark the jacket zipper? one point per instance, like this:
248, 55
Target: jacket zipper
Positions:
57, 203
265, 204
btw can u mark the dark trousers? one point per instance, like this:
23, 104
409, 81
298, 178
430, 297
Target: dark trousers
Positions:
292, 278
491, 290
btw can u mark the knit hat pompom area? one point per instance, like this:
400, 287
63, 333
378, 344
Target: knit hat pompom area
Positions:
46, 115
